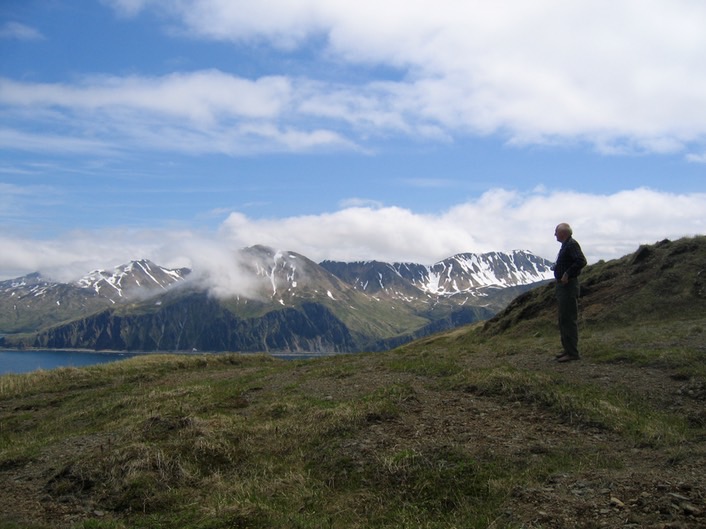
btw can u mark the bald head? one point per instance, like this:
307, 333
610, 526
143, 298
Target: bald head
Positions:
562, 232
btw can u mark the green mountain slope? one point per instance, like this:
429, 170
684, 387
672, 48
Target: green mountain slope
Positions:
649, 288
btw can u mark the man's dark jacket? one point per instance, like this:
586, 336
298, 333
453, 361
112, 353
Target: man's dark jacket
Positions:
570, 259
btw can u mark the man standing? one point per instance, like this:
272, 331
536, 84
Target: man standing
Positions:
567, 268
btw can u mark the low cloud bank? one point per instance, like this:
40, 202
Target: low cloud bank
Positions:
607, 226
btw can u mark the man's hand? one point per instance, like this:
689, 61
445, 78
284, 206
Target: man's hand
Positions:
565, 278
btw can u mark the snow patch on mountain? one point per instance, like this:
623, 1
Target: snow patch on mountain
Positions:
142, 275
467, 272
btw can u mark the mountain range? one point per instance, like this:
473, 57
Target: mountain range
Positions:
265, 300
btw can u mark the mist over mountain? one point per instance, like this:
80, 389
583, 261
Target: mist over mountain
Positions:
267, 300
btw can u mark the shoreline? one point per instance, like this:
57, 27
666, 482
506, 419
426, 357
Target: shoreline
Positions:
102, 351
184, 353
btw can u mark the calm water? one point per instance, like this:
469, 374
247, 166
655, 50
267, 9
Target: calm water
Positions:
27, 361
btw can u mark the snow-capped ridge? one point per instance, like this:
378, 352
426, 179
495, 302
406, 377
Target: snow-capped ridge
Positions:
292, 289
141, 275
468, 273
264, 274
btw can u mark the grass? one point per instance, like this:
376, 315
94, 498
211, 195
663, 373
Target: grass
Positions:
617, 410
663, 344
223, 441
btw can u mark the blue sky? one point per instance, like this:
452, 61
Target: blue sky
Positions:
399, 131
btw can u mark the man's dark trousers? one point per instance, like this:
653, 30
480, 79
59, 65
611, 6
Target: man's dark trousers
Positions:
567, 296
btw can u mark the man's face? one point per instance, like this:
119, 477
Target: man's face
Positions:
560, 234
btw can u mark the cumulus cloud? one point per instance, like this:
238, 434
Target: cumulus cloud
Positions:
607, 226
623, 77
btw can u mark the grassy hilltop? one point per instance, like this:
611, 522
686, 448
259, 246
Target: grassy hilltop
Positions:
473, 428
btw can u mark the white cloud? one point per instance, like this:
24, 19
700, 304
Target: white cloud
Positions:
623, 77
697, 158
126, 8
201, 96
18, 31
592, 70
199, 112
607, 226
356, 202
51, 143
